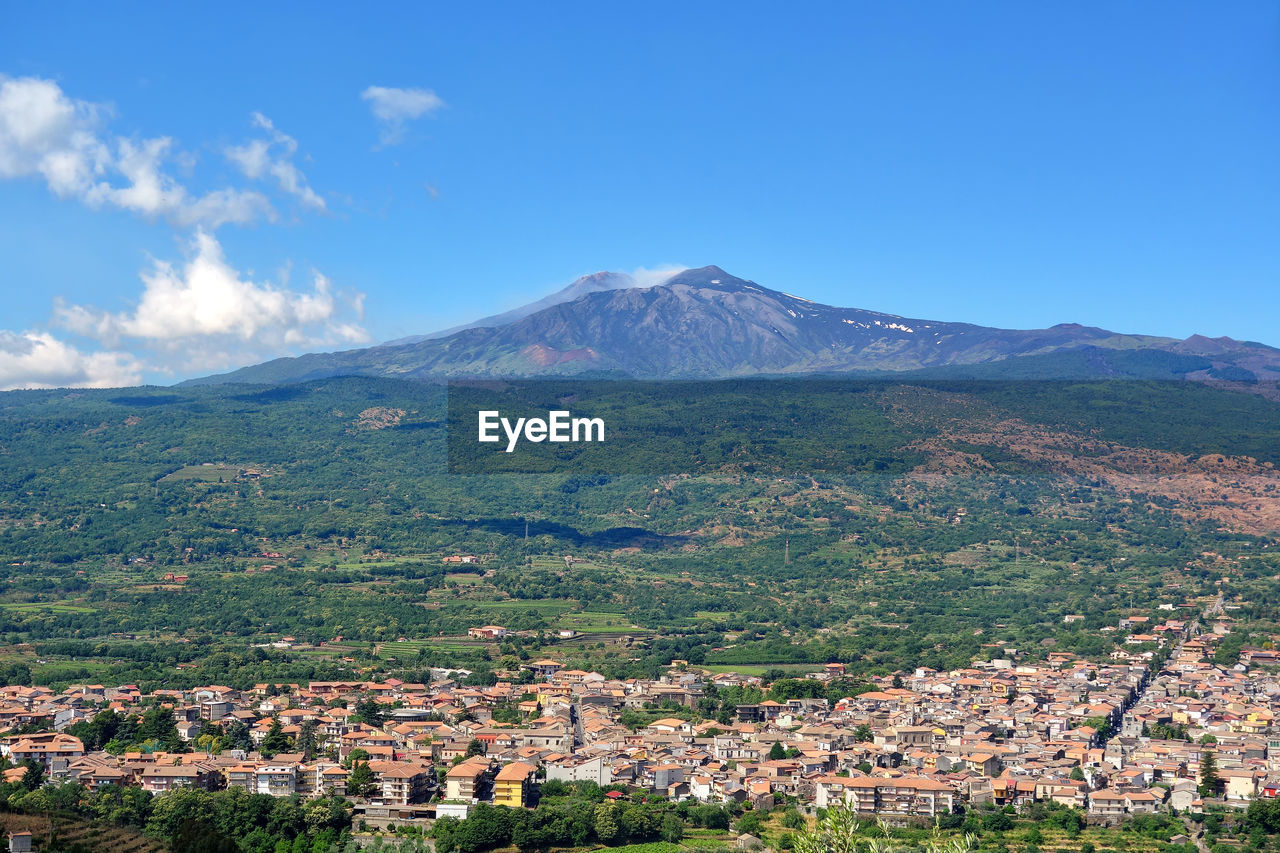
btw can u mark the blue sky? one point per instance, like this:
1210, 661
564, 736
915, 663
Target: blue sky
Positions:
1010, 164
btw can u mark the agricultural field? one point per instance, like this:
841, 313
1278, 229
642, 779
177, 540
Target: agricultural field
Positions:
51, 606
75, 833
207, 472
595, 622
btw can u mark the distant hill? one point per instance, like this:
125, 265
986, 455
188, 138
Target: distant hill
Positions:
706, 323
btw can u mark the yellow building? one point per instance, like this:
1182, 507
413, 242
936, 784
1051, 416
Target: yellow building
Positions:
511, 785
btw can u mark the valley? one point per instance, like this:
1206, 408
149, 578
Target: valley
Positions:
948, 510
1036, 571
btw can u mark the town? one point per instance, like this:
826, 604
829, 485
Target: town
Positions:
1165, 729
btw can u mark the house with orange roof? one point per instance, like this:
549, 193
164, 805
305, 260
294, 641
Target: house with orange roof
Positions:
159, 778
43, 748
671, 725
513, 784
545, 668
466, 781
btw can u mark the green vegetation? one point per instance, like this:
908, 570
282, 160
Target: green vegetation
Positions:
577, 815
231, 534
257, 823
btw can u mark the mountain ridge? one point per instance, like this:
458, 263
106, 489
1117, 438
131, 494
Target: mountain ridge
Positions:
706, 323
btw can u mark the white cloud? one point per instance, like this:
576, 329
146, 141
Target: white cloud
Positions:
198, 315
224, 206
252, 157
45, 133
152, 193
653, 276
256, 160
393, 108
211, 316
39, 360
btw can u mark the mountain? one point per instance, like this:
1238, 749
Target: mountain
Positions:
594, 283
706, 323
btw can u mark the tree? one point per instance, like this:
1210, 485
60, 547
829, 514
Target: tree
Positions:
863, 733
1077, 775
444, 832
777, 752
838, 832
368, 711
275, 741
638, 822
196, 837
96, 732
16, 673
835, 832
127, 805
33, 802
286, 818
750, 822
1264, 813
672, 829
237, 736
711, 816
1100, 724
527, 835
177, 807
363, 781
554, 788
475, 747
1209, 780
33, 777
159, 725
327, 814
306, 743
1069, 820
606, 825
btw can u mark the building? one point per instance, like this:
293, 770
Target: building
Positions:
158, 779
902, 795
545, 668
43, 749
403, 784
466, 780
216, 709
580, 769
278, 780
512, 785
241, 776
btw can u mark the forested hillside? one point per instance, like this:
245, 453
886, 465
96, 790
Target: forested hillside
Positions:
745, 523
